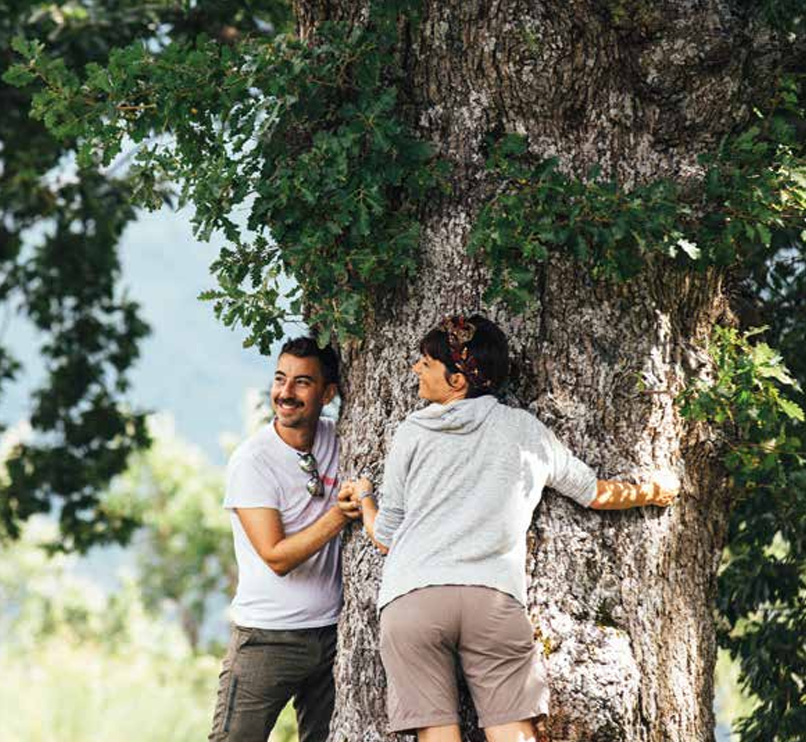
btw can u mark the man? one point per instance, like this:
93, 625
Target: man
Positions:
281, 494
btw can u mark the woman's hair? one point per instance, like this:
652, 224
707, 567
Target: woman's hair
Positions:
483, 359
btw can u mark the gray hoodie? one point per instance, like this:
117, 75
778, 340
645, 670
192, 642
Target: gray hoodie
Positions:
459, 487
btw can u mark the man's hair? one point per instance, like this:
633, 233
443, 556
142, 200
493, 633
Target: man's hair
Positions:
307, 347
488, 347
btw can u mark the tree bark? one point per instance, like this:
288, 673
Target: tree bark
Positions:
622, 601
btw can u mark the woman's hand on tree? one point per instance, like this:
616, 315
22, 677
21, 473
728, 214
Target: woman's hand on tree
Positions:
665, 488
661, 490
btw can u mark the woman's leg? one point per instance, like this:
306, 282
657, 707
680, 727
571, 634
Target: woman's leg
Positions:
448, 733
504, 672
419, 634
515, 731
534, 730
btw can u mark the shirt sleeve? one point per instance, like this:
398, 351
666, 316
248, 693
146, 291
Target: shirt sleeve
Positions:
250, 486
392, 509
567, 474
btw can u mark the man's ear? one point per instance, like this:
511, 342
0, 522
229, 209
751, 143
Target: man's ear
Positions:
330, 392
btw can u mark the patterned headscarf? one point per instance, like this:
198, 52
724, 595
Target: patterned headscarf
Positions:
460, 332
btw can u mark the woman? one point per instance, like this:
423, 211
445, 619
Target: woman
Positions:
461, 481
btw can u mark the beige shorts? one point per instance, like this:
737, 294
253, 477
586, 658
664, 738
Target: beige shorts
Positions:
428, 634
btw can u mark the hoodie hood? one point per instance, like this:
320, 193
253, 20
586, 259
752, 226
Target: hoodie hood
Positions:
460, 417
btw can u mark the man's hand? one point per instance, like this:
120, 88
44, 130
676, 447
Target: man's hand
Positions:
354, 506
349, 506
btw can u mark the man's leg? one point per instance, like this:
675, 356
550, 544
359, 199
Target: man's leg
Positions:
315, 698
257, 680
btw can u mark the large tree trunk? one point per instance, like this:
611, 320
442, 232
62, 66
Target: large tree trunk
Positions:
624, 600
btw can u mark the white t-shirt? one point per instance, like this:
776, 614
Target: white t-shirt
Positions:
264, 472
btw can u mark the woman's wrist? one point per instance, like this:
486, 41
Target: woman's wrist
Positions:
369, 507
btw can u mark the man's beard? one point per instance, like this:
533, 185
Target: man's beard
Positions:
298, 421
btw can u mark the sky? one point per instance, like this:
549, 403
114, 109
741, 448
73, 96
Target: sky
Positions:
191, 366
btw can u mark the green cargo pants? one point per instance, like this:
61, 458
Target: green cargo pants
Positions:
262, 670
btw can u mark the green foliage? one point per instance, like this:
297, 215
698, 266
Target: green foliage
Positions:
751, 199
64, 280
762, 586
69, 292
780, 15
307, 131
745, 397
60, 227
538, 209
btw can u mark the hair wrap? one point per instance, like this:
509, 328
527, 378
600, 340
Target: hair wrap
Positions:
460, 332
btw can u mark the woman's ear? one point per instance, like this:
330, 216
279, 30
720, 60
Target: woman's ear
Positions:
458, 382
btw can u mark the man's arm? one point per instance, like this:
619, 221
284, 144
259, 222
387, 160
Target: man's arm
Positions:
264, 529
622, 495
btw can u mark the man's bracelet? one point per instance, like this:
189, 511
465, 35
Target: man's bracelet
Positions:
365, 493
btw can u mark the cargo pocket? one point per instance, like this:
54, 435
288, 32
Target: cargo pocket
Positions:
230, 707
228, 683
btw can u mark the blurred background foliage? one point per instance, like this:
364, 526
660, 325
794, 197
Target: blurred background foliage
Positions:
137, 659
184, 550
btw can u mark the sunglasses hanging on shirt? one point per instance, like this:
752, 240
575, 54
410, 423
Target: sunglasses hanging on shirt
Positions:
307, 463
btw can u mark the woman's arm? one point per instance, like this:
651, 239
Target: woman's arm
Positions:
369, 512
575, 479
612, 495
